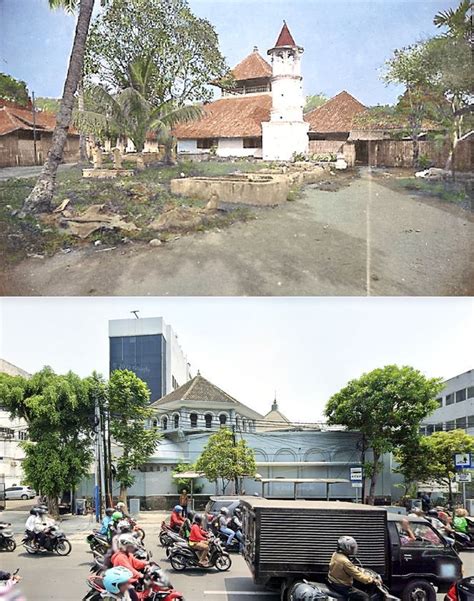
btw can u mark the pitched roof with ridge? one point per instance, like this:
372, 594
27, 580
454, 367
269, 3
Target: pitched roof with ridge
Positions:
336, 115
12, 370
197, 389
14, 117
254, 66
231, 117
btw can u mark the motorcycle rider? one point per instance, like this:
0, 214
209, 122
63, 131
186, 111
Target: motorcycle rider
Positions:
124, 557
106, 520
460, 523
117, 517
122, 508
176, 519
342, 571
185, 529
224, 527
32, 524
117, 584
198, 541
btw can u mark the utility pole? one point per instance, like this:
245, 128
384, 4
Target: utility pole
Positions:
33, 110
98, 477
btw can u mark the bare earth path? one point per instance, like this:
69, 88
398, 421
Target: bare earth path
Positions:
363, 239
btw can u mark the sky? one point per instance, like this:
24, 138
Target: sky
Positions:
305, 349
346, 41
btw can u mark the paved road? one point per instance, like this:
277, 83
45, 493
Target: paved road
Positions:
361, 240
25, 172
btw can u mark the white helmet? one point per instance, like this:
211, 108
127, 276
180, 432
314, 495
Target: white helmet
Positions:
126, 540
225, 510
124, 526
347, 545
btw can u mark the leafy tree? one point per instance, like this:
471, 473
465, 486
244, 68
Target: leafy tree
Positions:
411, 67
315, 100
13, 90
51, 105
184, 49
41, 196
128, 398
227, 460
441, 447
386, 406
59, 413
414, 464
128, 114
456, 20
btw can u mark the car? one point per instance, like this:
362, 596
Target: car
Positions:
215, 504
19, 492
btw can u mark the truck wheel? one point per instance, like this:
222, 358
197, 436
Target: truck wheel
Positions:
419, 590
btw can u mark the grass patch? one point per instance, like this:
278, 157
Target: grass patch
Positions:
453, 192
140, 199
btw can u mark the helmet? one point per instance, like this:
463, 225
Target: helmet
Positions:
347, 545
117, 515
303, 591
190, 516
33, 511
238, 512
198, 518
109, 511
225, 510
432, 513
126, 540
178, 509
124, 526
114, 577
120, 505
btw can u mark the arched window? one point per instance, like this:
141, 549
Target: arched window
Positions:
208, 418
223, 419
244, 425
176, 421
155, 423
194, 420
164, 423
237, 423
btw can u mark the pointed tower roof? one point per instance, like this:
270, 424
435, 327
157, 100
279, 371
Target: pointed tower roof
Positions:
275, 420
285, 38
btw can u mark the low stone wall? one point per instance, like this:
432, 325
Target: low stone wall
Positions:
106, 173
167, 502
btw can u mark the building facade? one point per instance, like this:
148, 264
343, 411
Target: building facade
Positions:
149, 348
456, 406
12, 433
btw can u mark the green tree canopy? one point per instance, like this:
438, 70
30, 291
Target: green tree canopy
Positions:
225, 459
184, 47
128, 398
59, 413
13, 90
315, 100
386, 406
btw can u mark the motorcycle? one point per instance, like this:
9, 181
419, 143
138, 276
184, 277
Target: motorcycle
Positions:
182, 557
155, 586
235, 544
98, 542
462, 590
7, 541
136, 530
55, 541
306, 591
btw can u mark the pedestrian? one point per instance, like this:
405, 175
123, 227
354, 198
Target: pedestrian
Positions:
426, 502
183, 501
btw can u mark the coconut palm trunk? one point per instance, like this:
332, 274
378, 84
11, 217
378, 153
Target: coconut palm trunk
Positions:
40, 198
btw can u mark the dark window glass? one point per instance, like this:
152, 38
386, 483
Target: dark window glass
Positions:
470, 421
206, 143
208, 419
461, 423
145, 356
440, 401
430, 429
252, 142
460, 395
164, 423
450, 399
194, 420
470, 392
223, 419
451, 425
176, 421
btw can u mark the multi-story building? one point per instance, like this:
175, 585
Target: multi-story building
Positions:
150, 348
456, 406
12, 432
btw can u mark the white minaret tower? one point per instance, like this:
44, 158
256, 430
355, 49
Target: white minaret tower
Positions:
286, 133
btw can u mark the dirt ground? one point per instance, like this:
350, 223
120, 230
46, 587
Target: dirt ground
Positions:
365, 239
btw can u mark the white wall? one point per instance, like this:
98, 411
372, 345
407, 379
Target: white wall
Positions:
234, 147
176, 361
10, 452
190, 146
282, 139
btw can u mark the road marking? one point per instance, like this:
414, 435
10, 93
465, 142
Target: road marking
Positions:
240, 593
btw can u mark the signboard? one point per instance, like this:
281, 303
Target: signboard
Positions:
356, 474
462, 460
463, 478
357, 485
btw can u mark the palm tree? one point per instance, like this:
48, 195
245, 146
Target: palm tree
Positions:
129, 113
41, 196
457, 21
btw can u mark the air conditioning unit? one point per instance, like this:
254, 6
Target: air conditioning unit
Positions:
470, 506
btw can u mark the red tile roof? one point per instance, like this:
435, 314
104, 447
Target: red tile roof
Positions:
285, 38
13, 118
232, 117
252, 67
336, 115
